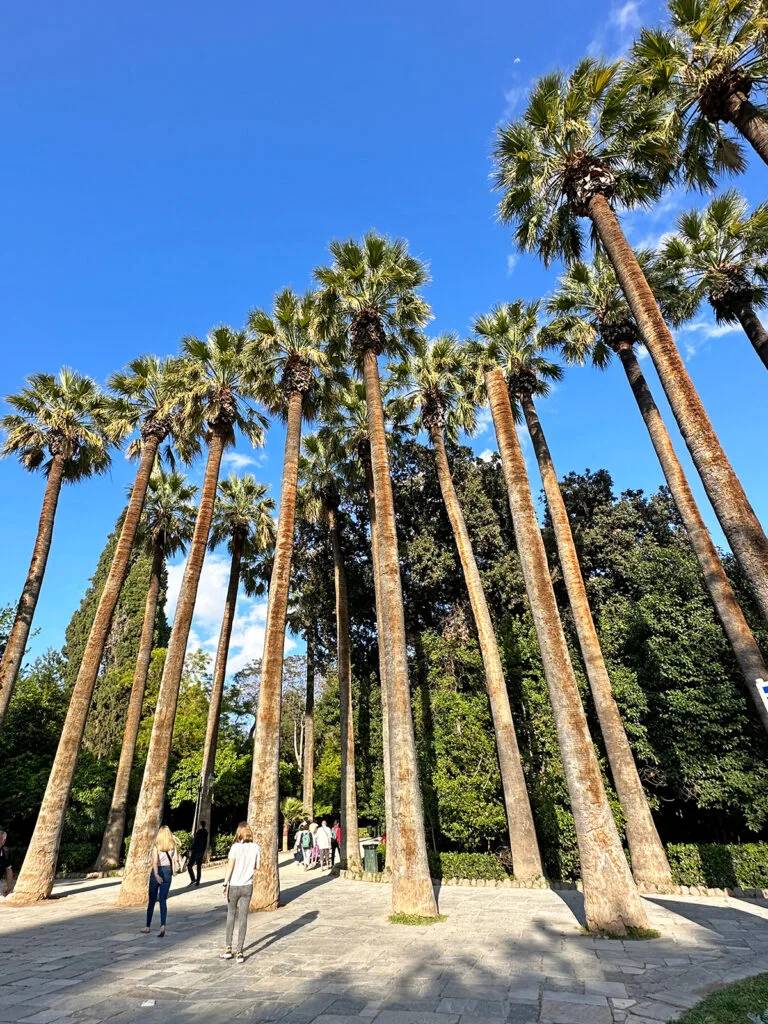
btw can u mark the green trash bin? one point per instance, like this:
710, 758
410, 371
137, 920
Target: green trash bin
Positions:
371, 858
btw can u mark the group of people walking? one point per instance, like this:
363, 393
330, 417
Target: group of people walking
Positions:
317, 845
243, 859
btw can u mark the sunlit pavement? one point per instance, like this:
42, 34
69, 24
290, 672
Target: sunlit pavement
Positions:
503, 956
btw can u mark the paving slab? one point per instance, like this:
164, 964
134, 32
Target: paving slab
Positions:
329, 956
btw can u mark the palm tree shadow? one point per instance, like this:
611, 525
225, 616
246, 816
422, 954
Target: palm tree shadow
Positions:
265, 941
574, 900
65, 892
293, 892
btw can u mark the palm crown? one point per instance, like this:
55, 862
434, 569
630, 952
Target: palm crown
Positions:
168, 518
65, 415
721, 253
581, 135
713, 48
323, 470
287, 348
243, 512
438, 383
511, 339
372, 285
144, 399
590, 312
348, 418
213, 380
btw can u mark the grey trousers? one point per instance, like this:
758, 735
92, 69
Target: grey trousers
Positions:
238, 899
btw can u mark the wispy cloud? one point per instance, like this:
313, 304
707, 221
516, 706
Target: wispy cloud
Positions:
241, 460
512, 260
484, 421
615, 35
248, 629
487, 455
695, 335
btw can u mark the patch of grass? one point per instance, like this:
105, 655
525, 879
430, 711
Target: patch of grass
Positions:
631, 934
746, 1002
415, 919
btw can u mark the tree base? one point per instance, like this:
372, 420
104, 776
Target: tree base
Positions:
413, 897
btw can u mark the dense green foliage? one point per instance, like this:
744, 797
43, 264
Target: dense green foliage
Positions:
701, 753
465, 865
720, 866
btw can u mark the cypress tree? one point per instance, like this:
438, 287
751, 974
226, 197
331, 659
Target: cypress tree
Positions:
107, 718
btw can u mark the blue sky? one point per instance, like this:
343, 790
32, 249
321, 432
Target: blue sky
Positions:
169, 166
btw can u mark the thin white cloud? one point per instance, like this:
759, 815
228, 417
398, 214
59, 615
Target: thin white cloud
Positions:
694, 336
487, 455
240, 460
484, 421
615, 35
512, 260
516, 60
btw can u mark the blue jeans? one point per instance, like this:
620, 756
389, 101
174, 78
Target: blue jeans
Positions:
159, 892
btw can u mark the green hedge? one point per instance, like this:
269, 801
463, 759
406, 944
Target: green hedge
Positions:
465, 865
718, 866
220, 845
76, 858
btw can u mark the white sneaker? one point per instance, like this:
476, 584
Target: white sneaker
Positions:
226, 955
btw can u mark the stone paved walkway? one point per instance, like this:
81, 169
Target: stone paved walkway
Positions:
329, 956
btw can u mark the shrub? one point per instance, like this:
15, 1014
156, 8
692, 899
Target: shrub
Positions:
465, 865
75, 858
183, 840
220, 845
718, 866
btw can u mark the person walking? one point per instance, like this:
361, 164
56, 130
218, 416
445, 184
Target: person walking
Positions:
335, 842
315, 850
163, 856
324, 844
6, 871
244, 858
304, 844
197, 854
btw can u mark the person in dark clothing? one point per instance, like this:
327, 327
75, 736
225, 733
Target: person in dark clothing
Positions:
6, 871
197, 854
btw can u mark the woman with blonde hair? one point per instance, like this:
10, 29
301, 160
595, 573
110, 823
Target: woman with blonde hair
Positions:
244, 858
163, 854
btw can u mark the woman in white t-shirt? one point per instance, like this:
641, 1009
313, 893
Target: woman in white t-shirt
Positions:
244, 858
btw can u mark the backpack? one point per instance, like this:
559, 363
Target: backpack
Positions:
306, 840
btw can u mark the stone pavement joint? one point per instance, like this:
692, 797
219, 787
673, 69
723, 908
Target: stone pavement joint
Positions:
329, 956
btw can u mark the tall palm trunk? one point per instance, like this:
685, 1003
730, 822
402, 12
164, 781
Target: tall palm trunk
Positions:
22, 623
263, 803
611, 900
649, 860
149, 810
38, 871
412, 891
286, 827
729, 611
350, 847
734, 512
217, 689
389, 817
112, 841
308, 773
753, 328
745, 116
522, 833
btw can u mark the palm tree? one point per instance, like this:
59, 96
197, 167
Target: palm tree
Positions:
349, 420
166, 527
438, 385
320, 468
243, 517
611, 900
593, 320
584, 148
512, 330
292, 810
705, 66
212, 381
721, 253
308, 759
373, 286
286, 349
144, 402
62, 426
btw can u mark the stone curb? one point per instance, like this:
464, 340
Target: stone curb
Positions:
512, 883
